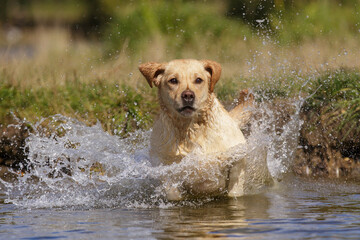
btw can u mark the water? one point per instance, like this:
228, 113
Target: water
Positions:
295, 209
87, 184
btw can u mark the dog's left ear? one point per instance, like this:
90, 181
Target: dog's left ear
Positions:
214, 69
152, 72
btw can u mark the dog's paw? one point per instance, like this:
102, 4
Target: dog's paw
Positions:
243, 112
246, 97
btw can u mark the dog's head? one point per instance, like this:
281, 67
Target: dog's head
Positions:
184, 85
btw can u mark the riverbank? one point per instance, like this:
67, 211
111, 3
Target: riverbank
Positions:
328, 145
329, 138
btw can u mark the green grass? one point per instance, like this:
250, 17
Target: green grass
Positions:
337, 94
120, 109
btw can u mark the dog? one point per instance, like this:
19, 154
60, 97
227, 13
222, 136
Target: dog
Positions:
192, 120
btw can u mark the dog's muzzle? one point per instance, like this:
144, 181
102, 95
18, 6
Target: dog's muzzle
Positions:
188, 99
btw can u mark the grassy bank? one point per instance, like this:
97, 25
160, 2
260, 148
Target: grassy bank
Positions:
119, 108
338, 97
329, 136
329, 140
82, 62
123, 107
72, 78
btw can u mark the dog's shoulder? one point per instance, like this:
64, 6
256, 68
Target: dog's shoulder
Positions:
222, 128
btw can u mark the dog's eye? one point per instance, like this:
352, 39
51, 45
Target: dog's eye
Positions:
198, 80
173, 81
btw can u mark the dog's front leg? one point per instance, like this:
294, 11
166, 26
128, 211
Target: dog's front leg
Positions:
250, 174
237, 178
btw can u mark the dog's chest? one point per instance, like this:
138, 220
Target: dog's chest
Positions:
170, 146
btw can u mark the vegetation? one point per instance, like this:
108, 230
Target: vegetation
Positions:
119, 108
337, 94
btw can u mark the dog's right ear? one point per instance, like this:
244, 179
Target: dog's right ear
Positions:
152, 72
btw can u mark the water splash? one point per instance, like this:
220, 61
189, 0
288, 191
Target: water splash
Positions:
75, 165
282, 133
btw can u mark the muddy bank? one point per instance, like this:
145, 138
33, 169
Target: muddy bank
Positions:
325, 147
13, 155
12, 145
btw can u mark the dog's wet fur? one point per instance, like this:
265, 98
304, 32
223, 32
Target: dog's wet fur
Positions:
192, 120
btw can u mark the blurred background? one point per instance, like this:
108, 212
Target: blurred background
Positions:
67, 56
162, 30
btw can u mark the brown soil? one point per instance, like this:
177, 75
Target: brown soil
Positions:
12, 145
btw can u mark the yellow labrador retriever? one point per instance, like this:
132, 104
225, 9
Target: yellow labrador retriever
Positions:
193, 120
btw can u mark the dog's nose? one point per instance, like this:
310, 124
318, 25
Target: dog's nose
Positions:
188, 96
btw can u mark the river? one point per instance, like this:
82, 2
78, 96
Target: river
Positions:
296, 208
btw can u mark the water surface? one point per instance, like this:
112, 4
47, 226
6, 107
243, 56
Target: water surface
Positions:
294, 209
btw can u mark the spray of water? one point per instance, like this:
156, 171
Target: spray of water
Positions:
75, 165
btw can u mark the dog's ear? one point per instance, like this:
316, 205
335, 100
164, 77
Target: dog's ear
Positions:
214, 69
152, 72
